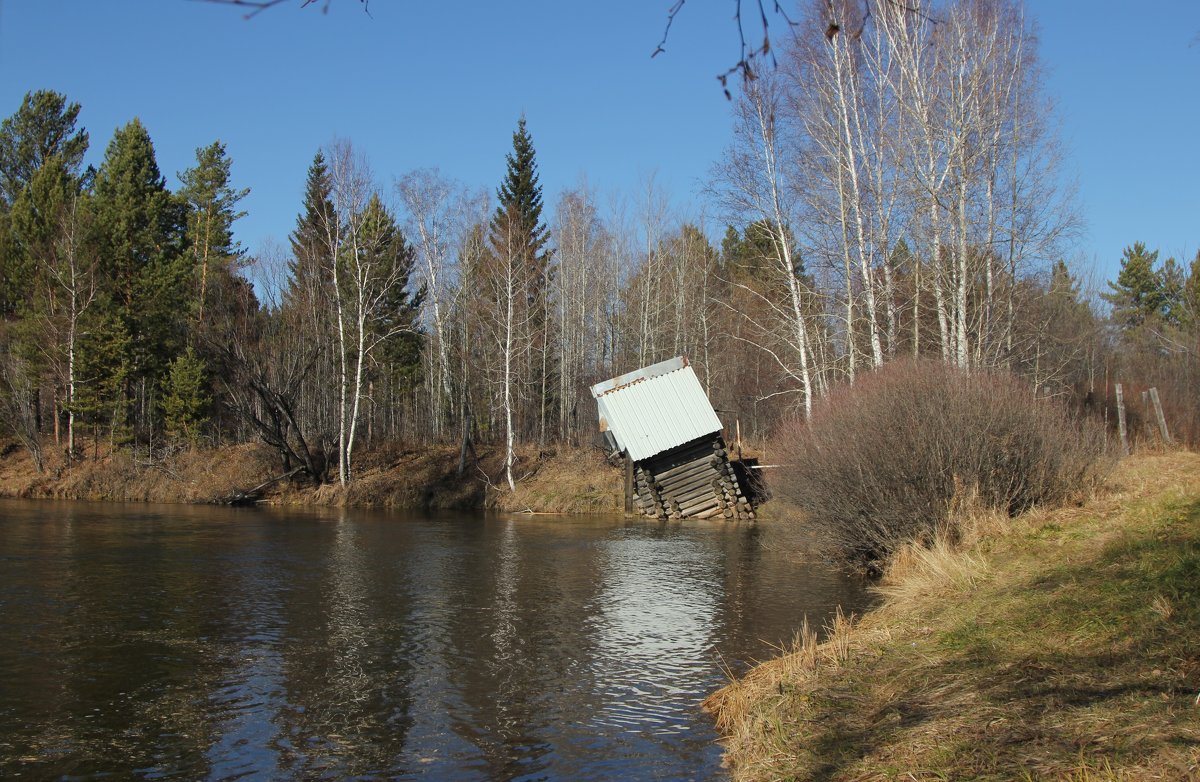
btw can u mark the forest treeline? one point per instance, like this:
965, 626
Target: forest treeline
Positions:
892, 188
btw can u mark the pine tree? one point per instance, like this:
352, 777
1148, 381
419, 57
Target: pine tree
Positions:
1191, 295
43, 128
1172, 284
752, 256
1137, 295
40, 158
212, 210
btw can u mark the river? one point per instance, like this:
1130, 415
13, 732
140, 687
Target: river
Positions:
214, 643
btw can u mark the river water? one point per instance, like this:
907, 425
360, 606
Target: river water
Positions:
213, 643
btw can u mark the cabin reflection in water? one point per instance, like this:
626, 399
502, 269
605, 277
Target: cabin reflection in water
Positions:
660, 421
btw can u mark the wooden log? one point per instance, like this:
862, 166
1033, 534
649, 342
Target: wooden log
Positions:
700, 503
704, 461
667, 461
695, 468
700, 490
705, 479
702, 511
687, 477
699, 497
252, 496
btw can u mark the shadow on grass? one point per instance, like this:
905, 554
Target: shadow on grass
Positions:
1097, 657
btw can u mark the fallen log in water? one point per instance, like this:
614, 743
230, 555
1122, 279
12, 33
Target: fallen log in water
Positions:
251, 496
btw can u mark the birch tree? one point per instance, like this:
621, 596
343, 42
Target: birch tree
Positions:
73, 271
371, 268
585, 289
438, 214
755, 186
508, 319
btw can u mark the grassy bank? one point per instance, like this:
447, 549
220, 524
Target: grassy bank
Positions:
1063, 645
565, 480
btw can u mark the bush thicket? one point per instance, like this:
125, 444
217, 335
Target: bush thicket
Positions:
889, 460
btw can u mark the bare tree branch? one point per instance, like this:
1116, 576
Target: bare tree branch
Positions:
256, 7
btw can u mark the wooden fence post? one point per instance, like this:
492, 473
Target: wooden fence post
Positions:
1158, 413
1121, 422
1147, 424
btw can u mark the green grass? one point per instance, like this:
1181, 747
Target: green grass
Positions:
1076, 656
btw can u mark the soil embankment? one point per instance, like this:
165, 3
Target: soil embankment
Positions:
1058, 646
565, 480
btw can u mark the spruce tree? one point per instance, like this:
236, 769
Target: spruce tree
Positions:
521, 194
140, 242
517, 229
399, 314
103, 371
310, 244
184, 397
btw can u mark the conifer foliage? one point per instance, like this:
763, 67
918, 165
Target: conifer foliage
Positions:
132, 318
520, 195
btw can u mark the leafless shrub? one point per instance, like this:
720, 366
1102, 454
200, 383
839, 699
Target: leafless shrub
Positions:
887, 461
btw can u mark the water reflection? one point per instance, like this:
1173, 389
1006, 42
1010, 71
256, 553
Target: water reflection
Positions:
221, 644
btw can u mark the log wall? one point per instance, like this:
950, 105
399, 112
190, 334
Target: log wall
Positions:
694, 480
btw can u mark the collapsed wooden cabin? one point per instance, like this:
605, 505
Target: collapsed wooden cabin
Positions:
661, 421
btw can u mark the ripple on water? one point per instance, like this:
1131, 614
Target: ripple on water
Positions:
208, 643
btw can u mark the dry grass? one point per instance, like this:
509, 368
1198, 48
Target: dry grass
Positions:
1063, 649
570, 480
389, 475
187, 476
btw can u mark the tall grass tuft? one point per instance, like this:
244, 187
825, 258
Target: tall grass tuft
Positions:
894, 459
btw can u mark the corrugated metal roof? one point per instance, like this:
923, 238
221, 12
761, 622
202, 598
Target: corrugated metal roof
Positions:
651, 410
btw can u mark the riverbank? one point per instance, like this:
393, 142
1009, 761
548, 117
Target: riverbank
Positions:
1059, 646
563, 480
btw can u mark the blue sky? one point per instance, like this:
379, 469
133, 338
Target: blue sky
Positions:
423, 84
